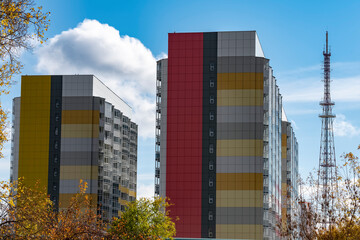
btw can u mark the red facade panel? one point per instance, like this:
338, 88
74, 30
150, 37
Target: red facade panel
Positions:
184, 131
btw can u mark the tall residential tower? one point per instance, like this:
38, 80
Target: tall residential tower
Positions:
72, 127
219, 136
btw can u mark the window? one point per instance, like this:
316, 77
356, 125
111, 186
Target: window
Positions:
57, 117
212, 100
212, 82
212, 67
57, 103
211, 165
55, 172
210, 233
211, 116
211, 217
56, 131
56, 158
211, 182
56, 145
211, 148
54, 186
211, 132
211, 199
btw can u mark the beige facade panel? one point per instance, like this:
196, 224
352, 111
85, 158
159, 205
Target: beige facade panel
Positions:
239, 231
240, 147
78, 172
80, 130
240, 97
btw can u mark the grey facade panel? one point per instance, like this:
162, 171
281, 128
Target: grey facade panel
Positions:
77, 103
79, 144
228, 114
240, 130
77, 158
72, 186
239, 215
231, 64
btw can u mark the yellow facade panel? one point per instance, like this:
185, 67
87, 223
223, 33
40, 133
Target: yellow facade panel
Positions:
34, 129
239, 198
239, 231
78, 172
239, 181
283, 140
65, 199
245, 80
80, 130
80, 117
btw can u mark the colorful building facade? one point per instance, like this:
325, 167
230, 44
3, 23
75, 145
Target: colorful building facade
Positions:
68, 128
218, 136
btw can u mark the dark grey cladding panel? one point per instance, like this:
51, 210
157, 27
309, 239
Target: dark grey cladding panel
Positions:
241, 64
77, 158
240, 130
78, 103
239, 215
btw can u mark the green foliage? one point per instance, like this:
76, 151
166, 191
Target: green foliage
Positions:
144, 219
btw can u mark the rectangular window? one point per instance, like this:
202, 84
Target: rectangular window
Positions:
212, 82
212, 67
212, 100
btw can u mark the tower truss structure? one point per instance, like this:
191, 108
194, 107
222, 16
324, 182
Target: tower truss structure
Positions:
327, 181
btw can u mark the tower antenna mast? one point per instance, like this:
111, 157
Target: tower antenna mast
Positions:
327, 178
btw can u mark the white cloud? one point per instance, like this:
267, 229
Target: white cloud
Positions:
305, 85
343, 128
145, 190
123, 63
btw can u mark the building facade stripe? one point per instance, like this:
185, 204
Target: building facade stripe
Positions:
55, 139
34, 130
184, 131
209, 135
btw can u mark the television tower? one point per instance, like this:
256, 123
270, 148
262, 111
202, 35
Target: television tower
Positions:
327, 181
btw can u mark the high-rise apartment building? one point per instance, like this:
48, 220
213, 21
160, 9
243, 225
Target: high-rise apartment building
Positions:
72, 127
219, 136
289, 170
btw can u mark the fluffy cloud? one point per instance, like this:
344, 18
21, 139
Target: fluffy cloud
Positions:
305, 85
343, 128
123, 63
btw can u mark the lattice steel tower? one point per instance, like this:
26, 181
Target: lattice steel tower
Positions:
327, 185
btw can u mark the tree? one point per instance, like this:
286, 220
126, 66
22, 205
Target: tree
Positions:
28, 213
24, 211
78, 220
144, 219
306, 221
21, 21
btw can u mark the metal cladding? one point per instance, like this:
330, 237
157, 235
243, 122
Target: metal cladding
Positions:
218, 137
69, 128
327, 160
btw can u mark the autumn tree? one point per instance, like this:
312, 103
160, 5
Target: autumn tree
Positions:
24, 211
28, 213
21, 23
78, 220
306, 221
144, 219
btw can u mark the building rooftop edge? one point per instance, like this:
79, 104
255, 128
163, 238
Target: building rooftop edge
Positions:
90, 75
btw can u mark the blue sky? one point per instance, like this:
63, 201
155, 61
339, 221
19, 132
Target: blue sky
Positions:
292, 34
